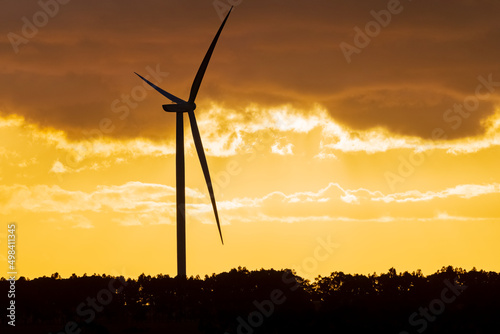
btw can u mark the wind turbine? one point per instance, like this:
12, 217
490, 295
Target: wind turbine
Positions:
180, 107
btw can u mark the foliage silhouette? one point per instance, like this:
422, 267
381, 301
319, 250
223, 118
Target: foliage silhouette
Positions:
231, 302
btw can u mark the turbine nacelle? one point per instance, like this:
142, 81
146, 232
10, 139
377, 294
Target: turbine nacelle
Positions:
180, 107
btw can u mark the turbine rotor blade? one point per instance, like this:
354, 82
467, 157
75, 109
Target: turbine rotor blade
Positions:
204, 166
169, 96
203, 67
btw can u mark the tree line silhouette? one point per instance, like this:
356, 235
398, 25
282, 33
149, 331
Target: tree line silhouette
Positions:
452, 300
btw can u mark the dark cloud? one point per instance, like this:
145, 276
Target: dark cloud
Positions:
426, 60
413, 111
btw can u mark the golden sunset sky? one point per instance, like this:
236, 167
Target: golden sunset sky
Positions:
346, 136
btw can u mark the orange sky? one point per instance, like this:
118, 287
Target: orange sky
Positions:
322, 160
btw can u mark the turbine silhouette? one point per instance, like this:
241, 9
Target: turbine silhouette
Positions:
180, 107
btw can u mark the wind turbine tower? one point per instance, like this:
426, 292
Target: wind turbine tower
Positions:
179, 107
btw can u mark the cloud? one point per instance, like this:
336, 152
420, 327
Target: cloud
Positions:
462, 191
334, 203
403, 81
152, 218
282, 150
129, 197
284, 131
79, 221
412, 111
138, 203
227, 135
58, 168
